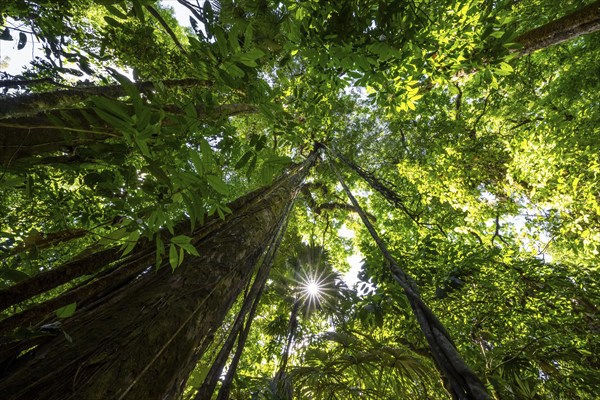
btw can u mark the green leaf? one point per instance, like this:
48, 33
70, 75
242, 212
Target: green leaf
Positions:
279, 160
66, 311
115, 11
248, 36
198, 164
191, 210
190, 249
181, 239
173, 257
132, 240
207, 152
130, 89
113, 106
112, 22
157, 171
13, 275
138, 10
232, 70
503, 69
116, 122
142, 145
114, 236
252, 166
143, 118
233, 39
244, 160
217, 183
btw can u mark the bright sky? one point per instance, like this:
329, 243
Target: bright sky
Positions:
181, 13
17, 58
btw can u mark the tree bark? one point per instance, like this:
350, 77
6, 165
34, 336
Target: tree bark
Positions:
248, 307
83, 133
582, 21
35, 103
142, 340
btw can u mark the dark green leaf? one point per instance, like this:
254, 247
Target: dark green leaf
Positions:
116, 12
181, 239
244, 160
22, 41
189, 248
66, 311
173, 257
6, 35
112, 22
13, 275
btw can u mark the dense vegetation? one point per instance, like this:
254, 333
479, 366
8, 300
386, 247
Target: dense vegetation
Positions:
176, 201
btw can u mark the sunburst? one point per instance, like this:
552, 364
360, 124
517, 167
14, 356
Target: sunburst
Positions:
312, 287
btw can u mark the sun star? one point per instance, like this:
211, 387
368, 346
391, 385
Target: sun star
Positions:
313, 289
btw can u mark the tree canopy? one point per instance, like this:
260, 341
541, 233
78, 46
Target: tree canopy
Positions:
197, 189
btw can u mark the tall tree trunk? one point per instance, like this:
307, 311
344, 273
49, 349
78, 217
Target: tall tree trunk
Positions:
239, 331
462, 382
142, 340
281, 384
582, 21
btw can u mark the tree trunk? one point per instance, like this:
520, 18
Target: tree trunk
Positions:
582, 21
285, 355
462, 383
248, 307
141, 341
241, 344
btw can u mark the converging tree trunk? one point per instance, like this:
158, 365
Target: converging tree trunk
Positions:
142, 340
461, 381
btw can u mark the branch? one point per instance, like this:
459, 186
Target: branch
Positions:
497, 232
192, 9
40, 241
341, 206
521, 350
459, 97
164, 24
582, 21
35, 103
56, 277
28, 316
13, 83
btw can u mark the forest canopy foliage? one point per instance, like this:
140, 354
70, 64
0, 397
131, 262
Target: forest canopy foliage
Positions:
148, 168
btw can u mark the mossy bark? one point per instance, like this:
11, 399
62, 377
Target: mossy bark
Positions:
142, 340
582, 21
